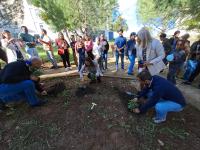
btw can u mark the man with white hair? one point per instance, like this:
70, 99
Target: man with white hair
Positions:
17, 82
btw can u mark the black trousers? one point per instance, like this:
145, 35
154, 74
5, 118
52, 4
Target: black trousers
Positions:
195, 73
65, 59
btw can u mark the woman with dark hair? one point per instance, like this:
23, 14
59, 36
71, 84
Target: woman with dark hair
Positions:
176, 61
93, 70
174, 39
29, 41
63, 51
13, 48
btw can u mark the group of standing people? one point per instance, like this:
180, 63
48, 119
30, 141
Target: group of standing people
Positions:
183, 58
152, 55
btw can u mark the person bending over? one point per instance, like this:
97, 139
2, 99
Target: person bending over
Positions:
162, 95
17, 83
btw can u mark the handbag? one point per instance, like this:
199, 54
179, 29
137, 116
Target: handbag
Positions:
61, 51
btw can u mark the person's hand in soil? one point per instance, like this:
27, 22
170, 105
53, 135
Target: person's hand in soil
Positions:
136, 110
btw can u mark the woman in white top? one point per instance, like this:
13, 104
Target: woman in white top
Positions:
12, 47
150, 52
97, 52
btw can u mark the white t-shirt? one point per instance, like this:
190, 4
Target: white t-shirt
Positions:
45, 46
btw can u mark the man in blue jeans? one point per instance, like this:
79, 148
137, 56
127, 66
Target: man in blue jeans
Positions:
17, 83
29, 41
165, 96
131, 52
120, 45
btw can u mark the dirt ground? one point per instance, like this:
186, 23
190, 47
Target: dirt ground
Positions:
67, 122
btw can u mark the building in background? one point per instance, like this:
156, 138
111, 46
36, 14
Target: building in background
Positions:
17, 13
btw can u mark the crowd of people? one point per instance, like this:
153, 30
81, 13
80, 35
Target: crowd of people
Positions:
17, 80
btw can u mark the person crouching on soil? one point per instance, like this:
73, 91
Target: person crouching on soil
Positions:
93, 70
18, 83
161, 94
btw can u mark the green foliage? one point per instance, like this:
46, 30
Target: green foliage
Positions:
185, 13
120, 23
73, 15
132, 105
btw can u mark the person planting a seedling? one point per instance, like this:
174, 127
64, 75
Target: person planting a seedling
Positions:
161, 94
92, 67
18, 83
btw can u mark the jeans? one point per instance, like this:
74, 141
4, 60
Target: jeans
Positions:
19, 91
32, 52
190, 68
195, 73
81, 61
75, 58
173, 68
132, 63
51, 58
117, 55
165, 106
105, 59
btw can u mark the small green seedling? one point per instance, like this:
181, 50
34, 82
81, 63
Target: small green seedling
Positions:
132, 104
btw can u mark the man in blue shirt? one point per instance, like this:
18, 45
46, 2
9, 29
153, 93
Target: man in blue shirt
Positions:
165, 96
120, 44
131, 52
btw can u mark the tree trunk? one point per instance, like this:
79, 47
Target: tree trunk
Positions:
67, 35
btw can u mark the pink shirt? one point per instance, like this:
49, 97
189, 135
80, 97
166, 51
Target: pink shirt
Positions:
88, 46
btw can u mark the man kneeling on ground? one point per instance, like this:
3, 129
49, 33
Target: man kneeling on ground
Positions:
17, 83
161, 94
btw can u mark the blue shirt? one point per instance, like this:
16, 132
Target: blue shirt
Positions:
120, 42
162, 89
130, 48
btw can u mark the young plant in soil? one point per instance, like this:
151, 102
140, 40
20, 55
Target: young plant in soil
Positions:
132, 104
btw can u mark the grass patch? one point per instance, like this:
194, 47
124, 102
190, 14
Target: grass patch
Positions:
29, 134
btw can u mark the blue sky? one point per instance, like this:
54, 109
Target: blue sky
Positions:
128, 10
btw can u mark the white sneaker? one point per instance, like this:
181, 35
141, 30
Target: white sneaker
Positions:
101, 74
70, 68
157, 121
67, 69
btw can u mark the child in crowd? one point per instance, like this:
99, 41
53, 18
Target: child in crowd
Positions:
80, 49
176, 61
92, 67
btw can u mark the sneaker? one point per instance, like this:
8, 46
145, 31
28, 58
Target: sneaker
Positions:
157, 121
70, 68
67, 69
40, 103
101, 74
187, 82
